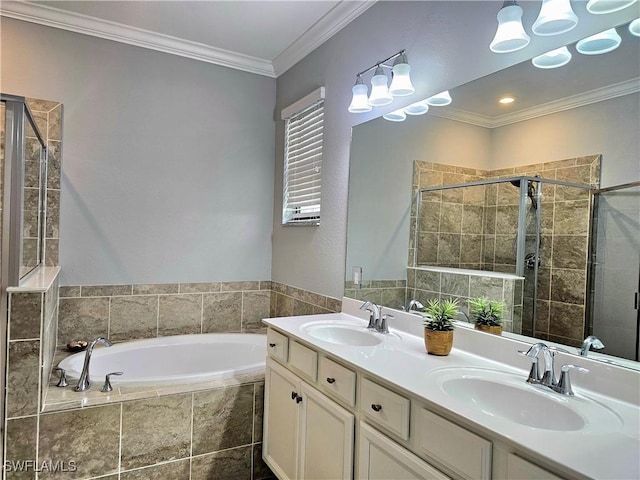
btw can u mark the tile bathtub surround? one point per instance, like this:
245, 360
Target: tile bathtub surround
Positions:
172, 436
128, 312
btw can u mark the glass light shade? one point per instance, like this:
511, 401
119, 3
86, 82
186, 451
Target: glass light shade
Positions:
379, 92
510, 35
395, 116
439, 100
401, 81
599, 7
359, 101
556, 16
634, 27
602, 42
418, 108
553, 59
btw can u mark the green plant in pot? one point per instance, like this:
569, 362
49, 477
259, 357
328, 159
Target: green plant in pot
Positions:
438, 325
487, 314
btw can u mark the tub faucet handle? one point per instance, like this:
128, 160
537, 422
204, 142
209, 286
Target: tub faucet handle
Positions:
107, 382
62, 382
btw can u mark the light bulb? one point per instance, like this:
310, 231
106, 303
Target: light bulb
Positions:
634, 27
556, 16
510, 35
359, 101
401, 81
599, 7
379, 92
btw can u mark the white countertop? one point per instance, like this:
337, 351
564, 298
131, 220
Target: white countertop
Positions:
401, 360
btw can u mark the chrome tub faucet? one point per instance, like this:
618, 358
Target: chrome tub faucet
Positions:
84, 382
590, 342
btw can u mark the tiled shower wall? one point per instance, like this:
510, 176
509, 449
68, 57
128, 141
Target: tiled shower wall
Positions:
475, 227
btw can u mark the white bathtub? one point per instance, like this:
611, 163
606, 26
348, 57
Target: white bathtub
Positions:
177, 359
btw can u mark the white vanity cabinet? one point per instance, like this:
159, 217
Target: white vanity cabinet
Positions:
306, 435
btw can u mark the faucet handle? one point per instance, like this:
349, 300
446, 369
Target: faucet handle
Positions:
564, 384
534, 374
62, 382
107, 382
384, 327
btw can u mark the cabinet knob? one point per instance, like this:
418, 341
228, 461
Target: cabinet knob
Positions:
298, 399
272, 345
331, 380
294, 395
376, 407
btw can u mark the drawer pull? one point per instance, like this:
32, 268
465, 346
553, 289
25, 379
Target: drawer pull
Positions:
272, 345
376, 407
331, 380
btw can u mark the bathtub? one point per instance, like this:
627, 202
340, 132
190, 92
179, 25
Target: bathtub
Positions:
177, 359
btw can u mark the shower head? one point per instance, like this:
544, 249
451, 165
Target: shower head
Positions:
531, 191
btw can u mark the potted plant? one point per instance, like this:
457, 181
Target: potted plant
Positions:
438, 326
487, 314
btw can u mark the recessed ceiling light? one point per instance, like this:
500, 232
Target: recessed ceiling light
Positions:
507, 100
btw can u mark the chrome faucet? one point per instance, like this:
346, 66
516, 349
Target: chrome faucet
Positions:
83, 382
414, 306
374, 314
563, 385
464, 314
589, 342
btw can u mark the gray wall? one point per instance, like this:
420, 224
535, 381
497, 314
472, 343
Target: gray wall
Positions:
447, 45
168, 162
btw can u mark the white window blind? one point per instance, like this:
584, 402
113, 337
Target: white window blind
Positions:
302, 189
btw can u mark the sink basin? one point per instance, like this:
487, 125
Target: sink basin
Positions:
342, 334
508, 397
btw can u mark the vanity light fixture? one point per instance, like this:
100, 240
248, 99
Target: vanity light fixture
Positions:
510, 35
599, 7
634, 27
553, 59
396, 116
418, 108
381, 92
602, 42
440, 100
556, 16
359, 101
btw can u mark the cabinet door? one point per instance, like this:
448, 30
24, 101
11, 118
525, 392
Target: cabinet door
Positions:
281, 421
382, 459
327, 432
518, 468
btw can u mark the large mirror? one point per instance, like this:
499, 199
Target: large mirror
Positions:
578, 124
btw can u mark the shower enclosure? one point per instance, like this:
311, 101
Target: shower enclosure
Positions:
530, 227
23, 164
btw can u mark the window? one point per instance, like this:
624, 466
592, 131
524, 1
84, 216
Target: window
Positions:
302, 182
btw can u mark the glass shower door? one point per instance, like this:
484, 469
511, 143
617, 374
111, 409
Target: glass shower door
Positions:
616, 279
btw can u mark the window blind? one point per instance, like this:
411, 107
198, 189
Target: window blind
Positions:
303, 166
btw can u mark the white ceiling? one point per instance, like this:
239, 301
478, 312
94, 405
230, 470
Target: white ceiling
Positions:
265, 37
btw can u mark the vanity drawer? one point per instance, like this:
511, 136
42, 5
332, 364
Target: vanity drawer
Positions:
338, 379
385, 407
464, 452
303, 360
277, 345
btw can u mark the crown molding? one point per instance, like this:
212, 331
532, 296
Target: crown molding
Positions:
117, 32
334, 21
598, 95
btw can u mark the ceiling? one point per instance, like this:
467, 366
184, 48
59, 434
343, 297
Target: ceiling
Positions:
264, 37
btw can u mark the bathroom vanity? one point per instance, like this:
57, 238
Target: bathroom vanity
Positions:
342, 401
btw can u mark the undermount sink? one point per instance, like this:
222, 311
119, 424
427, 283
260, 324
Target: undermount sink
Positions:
508, 397
342, 334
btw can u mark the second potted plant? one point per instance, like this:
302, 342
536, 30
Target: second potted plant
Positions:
487, 314
438, 326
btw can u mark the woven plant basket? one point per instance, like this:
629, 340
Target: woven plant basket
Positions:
438, 342
497, 330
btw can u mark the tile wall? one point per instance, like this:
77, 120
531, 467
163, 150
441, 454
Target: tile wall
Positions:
391, 293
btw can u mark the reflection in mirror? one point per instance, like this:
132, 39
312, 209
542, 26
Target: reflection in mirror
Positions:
558, 134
